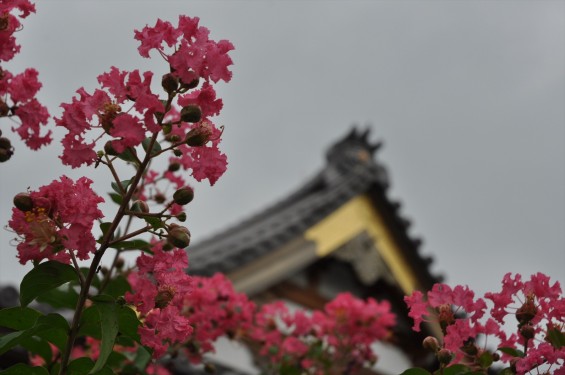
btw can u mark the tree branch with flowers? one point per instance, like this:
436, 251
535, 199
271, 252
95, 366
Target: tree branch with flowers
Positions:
132, 320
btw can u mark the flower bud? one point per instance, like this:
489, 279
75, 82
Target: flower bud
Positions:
140, 206
209, 368
527, 311
170, 83
430, 343
159, 198
4, 21
190, 85
527, 331
191, 113
199, 136
23, 202
6, 149
172, 138
120, 262
5, 143
109, 149
173, 167
183, 195
178, 236
4, 109
444, 356
181, 217
177, 152
109, 112
164, 296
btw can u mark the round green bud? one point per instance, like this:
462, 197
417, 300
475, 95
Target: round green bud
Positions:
183, 196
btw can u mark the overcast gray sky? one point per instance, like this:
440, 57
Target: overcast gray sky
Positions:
468, 98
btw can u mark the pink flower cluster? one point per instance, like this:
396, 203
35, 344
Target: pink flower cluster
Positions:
127, 110
159, 287
536, 305
215, 309
20, 89
56, 220
334, 340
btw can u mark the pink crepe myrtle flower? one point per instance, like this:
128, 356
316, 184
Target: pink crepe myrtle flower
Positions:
101, 113
215, 309
535, 305
18, 91
194, 55
159, 287
60, 220
21, 90
9, 24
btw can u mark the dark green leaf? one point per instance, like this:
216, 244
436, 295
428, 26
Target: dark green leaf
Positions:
156, 146
506, 371
142, 358
108, 312
416, 371
132, 245
90, 323
555, 337
18, 318
511, 351
116, 188
95, 279
44, 277
22, 369
104, 227
456, 370
155, 222
287, 369
116, 198
64, 297
38, 346
128, 323
117, 287
485, 360
129, 155
80, 366
44, 327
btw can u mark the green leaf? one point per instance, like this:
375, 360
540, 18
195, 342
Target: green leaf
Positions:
506, 371
116, 198
116, 188
108, 312
142, 358
456, 370
416, 371
485, 360
129, 155
90, 323
50, 327
117, 287
38, 346
132, 245
60, 298
513, 352
555, 337
129, 323
22, 369
44, 277
80, 366
287, 369
104, 227
18, 318
156, 146
155, 222
95, 279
